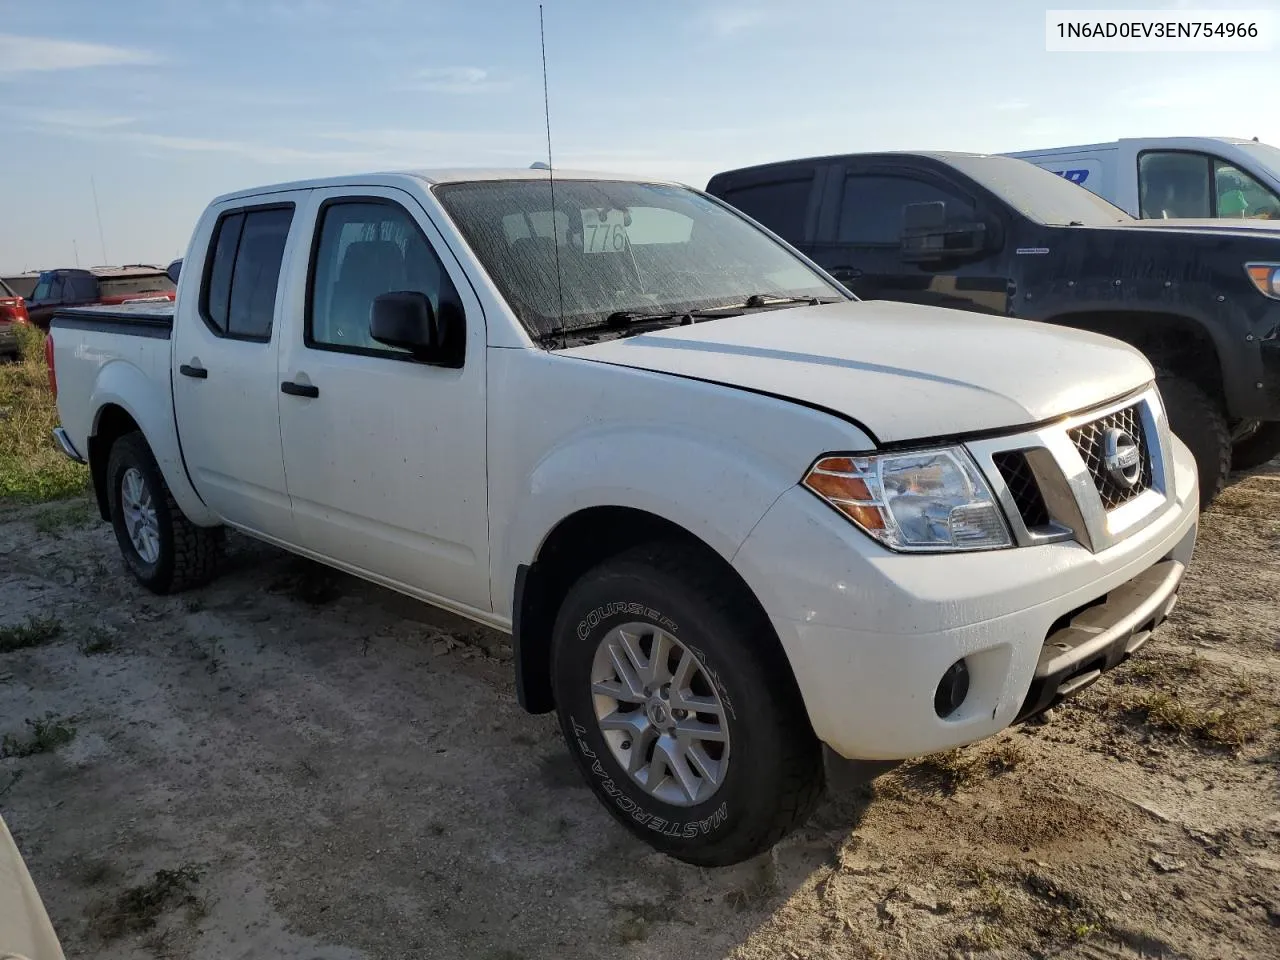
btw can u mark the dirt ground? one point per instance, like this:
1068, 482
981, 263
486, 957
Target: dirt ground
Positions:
293, 764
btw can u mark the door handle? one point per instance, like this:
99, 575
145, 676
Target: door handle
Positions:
299, 389
187, 370
845, 273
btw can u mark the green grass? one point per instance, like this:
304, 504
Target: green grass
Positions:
1231, 726
47, 735
35, 632
32, 468
64, 516
138, 909
97, 640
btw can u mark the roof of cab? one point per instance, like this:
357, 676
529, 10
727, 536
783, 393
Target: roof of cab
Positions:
438, 176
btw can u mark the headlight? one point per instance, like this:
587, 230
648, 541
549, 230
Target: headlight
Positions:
1266, 277
930, 500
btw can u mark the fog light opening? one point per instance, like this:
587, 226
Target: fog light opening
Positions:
952, 689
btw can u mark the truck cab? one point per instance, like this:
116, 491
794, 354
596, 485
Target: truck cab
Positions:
1165, 178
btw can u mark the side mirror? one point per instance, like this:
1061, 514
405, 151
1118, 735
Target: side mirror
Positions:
929, 234
406, 319
173, 270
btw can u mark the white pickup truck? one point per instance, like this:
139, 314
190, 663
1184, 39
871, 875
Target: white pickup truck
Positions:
727, 512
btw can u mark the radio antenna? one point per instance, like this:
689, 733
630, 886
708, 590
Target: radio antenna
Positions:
551, 178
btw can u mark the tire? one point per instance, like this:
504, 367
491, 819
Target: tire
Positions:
176, 553
1199, 423
1261, 446
771, 772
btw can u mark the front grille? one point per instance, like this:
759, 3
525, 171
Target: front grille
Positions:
1090, 440
1022, 485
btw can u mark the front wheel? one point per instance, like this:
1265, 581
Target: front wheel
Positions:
164, 550
1199, 423
1261, 446
679, 708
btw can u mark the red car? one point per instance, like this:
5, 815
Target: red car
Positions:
13, 310
98, 285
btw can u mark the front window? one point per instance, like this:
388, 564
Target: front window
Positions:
1178, 184
612, 247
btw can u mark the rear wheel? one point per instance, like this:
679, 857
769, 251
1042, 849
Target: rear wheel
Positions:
1261, 446
1199, 423
164, 550
679, 709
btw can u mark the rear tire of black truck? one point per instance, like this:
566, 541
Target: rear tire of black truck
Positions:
1261, 446
164, 550
1199, 422
679, 708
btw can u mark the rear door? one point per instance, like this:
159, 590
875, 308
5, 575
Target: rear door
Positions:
225, 388
861, 244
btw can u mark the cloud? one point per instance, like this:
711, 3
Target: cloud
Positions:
1012, 105
74, 118
454, 80
40, 54
726, 21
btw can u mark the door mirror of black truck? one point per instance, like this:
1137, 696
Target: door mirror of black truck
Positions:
406, 319
929, 234
173, 270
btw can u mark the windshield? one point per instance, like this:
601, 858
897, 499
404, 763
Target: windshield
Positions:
1268, 157
1043, 196
44, 287
622, 247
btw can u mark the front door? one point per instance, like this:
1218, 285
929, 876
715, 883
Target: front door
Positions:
225, 388
385, 456
864, 249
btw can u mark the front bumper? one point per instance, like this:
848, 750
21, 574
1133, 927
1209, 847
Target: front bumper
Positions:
869, 633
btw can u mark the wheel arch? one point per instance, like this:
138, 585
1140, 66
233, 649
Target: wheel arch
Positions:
124, 395
576, 544
1180, 343
110, 424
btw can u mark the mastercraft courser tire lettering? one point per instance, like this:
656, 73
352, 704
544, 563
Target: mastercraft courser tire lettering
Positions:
753, 768
164, 550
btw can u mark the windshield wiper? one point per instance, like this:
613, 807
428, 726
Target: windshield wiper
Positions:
625, 322
757, 300
630, 318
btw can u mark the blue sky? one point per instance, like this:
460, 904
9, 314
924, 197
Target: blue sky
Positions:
166, 103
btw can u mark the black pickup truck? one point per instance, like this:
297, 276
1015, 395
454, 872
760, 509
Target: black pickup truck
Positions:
998, 235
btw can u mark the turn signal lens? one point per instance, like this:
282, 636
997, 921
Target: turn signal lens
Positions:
931, 500
1266, 277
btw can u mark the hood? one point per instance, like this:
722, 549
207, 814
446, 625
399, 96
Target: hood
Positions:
1249, 228
903, 371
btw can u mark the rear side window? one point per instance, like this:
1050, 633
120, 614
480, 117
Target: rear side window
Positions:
80, 288
872, 207
781, 205
238, 297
